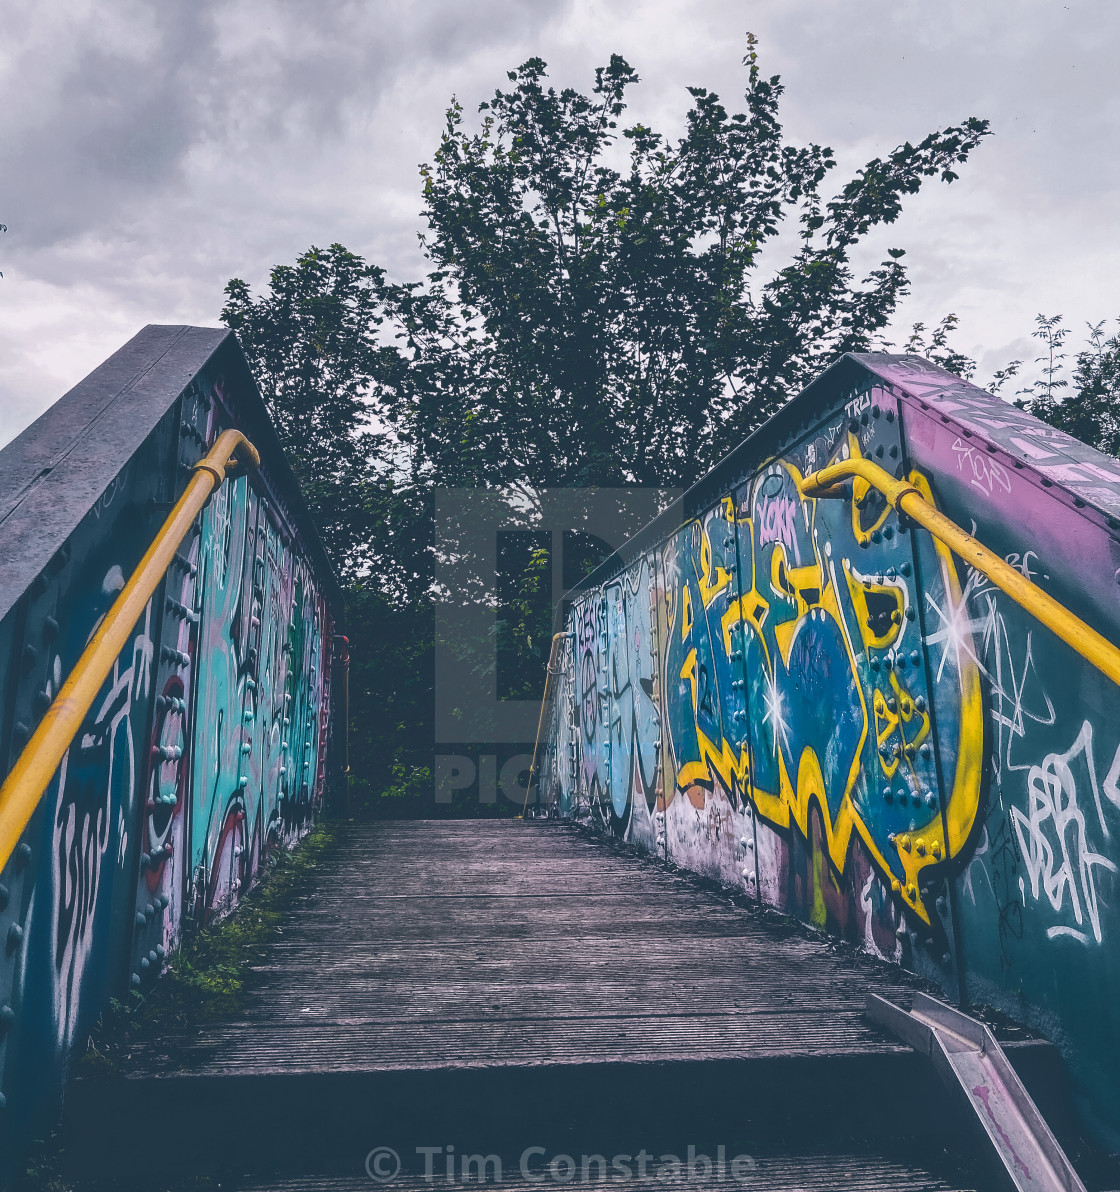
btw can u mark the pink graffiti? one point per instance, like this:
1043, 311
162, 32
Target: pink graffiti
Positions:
776, 521
982, 1091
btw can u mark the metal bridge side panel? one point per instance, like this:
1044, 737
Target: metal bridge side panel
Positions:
836, 733
634, 727
1036, 883
707, 816
70, 886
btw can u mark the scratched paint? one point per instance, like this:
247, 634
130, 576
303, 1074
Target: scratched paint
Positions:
853, 726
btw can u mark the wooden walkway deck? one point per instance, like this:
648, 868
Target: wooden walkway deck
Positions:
433, 944
507, 983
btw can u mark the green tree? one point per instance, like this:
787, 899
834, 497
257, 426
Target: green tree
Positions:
313, 343
584, 324
1090, 407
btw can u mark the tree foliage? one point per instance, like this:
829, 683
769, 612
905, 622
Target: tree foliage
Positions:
603, 305
585, 323
313, 341
1089, 409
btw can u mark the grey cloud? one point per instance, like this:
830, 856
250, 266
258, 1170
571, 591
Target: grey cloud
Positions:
95, 129
148, 152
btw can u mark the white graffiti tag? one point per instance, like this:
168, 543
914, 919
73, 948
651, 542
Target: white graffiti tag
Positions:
986, 474
1054, 838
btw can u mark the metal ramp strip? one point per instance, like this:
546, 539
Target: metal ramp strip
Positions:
967, 1056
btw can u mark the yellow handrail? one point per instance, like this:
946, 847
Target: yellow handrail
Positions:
36, 765
907, 499
540, 721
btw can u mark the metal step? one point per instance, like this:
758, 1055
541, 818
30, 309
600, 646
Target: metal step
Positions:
966, 1056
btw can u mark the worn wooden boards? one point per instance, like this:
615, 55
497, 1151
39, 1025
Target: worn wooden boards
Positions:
503, 984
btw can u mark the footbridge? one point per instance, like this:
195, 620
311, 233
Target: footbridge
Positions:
815, 884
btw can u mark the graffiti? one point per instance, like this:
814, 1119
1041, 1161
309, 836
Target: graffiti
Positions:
776, 521
203, 752
984, 473
96, 786
1054, 839
783, 678
259, 698
631, 670
857, 727
807, 689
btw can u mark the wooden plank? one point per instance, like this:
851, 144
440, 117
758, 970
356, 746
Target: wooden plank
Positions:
459, 944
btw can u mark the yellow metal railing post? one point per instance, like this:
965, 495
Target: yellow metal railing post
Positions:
540, 720
905, 498
29, 778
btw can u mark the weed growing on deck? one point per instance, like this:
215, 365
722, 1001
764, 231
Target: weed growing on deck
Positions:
205, 979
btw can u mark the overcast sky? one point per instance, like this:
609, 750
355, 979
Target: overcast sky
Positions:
149, 152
